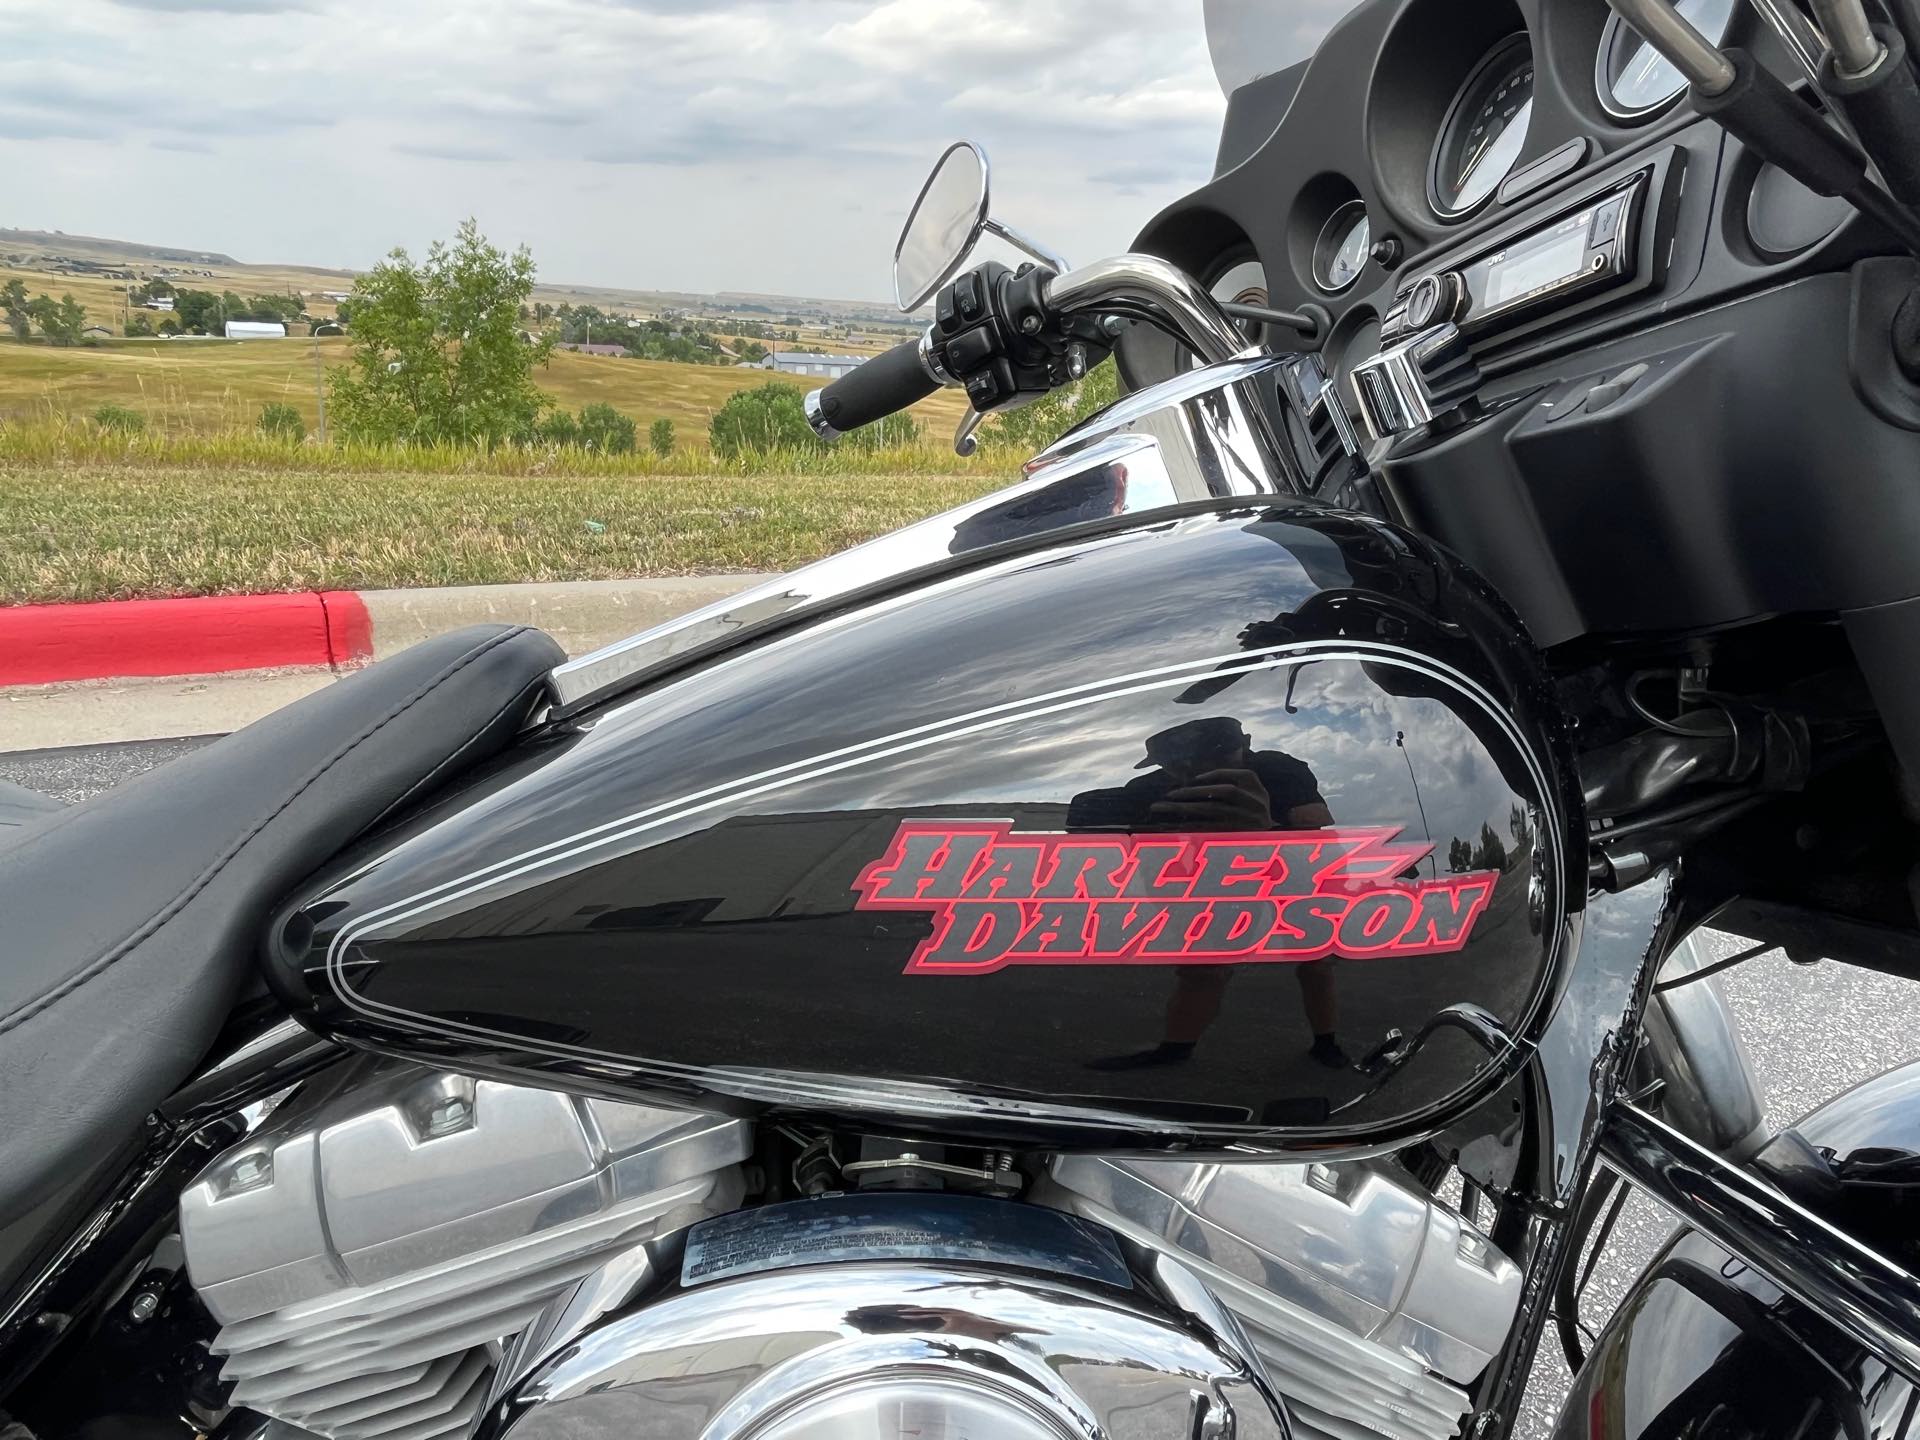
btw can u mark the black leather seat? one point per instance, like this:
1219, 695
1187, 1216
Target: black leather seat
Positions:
129, 924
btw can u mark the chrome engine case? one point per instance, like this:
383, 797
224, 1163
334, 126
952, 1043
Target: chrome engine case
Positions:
1367, 1299
368, 1248
397, 1250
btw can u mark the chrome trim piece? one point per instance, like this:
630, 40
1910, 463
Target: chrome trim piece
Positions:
817, 417
944, 1350
1216, 440
1396, 388
930, 361
1875, 1302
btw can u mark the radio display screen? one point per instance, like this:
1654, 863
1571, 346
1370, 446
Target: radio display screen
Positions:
1558, 254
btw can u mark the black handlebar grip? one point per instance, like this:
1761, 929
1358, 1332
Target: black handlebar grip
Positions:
880, 387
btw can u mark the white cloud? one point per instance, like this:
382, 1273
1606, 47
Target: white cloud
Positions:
691, 144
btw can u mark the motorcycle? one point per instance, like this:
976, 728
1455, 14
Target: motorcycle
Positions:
1000, 980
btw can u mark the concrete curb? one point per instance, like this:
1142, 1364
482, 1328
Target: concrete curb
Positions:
177, 672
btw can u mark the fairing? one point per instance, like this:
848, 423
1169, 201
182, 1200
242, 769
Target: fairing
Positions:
826, 874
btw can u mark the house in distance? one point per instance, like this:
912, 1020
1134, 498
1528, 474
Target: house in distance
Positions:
256, 330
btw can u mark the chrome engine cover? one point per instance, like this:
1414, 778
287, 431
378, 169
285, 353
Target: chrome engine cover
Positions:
1365, 1298
937, 1351
397, 1251
367, 1249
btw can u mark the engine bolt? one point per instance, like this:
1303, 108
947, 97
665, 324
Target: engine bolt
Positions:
144, 1307
1030, 325
448, 1116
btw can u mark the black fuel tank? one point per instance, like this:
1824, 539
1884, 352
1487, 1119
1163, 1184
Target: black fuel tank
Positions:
1143, 836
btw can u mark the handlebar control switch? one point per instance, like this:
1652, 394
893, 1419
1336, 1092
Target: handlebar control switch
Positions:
1423, 379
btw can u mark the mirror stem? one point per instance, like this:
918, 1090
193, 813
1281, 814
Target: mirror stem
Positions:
1052, 259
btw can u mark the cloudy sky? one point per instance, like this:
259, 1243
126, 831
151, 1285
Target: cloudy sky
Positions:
674, 144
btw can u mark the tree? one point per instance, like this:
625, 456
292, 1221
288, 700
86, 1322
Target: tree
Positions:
751, 350
61, 321
660, 436
13, 298
198, 312
437, 353
767, 417
139, 324
605, 429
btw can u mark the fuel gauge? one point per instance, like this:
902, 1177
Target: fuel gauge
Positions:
1340, 254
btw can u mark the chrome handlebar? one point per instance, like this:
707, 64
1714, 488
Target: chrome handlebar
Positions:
1145, 287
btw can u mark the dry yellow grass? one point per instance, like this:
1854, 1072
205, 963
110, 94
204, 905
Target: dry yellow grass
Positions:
206, 386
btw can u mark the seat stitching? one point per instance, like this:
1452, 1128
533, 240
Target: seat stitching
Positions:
98, 966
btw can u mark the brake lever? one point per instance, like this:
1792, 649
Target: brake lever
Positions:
966, 443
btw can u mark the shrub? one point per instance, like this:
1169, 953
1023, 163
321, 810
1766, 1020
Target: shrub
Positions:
605, 429
558, 428
768, 417
893, 432
660, 436
283, 422
119, 420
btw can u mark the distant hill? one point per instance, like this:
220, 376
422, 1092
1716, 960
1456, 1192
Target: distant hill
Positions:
93, 247
52, 251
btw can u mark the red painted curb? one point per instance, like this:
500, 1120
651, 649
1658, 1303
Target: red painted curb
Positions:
41, 644
349, 628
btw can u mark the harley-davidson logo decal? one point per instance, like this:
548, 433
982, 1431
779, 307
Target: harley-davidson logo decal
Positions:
999, 898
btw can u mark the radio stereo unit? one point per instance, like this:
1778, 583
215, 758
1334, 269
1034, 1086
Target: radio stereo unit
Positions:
1591, 245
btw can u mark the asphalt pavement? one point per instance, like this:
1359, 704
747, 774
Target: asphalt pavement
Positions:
1813, 1032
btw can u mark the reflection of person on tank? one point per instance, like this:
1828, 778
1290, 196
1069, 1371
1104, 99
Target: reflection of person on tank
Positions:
1206, 775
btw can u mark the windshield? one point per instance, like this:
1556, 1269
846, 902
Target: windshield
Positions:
1251, 38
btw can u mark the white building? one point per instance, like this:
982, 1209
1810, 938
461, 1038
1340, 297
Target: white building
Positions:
802, 362
256, 330
158, 302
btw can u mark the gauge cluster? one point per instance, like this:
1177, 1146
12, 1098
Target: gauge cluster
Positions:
1423, 131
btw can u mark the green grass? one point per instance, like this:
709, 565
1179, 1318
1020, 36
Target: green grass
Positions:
205, 387
85, 516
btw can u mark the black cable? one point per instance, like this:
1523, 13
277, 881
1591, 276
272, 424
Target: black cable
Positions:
1671, 727
1706, 971
1571, 1281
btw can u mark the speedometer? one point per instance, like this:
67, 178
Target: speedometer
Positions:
1484, 131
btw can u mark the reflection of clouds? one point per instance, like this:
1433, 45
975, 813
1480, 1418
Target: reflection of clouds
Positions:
1124, 605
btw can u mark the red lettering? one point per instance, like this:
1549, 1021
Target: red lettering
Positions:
995, 898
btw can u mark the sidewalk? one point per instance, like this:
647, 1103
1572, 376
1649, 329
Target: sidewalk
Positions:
200, 661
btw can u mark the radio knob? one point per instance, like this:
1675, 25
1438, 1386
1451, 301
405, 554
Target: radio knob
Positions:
1436, 299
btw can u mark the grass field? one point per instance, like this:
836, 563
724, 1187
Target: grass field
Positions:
92, 521
208, 386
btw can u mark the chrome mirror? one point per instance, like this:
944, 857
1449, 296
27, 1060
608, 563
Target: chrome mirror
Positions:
943, 227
